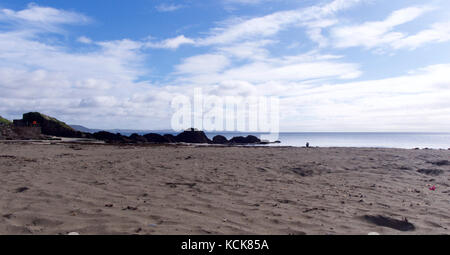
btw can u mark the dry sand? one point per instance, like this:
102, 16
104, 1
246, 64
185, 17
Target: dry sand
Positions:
105, 189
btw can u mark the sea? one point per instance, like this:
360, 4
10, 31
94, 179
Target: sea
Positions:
356, 139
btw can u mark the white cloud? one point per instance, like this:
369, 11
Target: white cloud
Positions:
271, 24
168, 7
203, 64
413, 102
47, 18
84, 39
381, 33
245, 1
38, 14
247, 50
437, 33
214, 69
171, 43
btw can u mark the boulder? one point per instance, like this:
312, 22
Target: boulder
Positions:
170, 138
252, 139
193, 137
156, 138
238, 139
136, 138
245, 140
110, 137
220, 139
50, 125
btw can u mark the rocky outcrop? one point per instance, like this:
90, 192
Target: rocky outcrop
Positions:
7, 133
253, 139
50, 125
156, 138
10, 132
111, 138
245, 140
193, 137
220, 139
170, 138
136, 138
33, 123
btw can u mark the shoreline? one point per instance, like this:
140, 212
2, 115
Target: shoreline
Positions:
98, 142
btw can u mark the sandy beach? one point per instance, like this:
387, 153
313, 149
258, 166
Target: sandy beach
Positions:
109, 189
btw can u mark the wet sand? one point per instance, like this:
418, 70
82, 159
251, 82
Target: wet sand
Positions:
106, 189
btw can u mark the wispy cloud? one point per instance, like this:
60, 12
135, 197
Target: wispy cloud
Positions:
271, 24
171, 43
47, 18
382, 34
85, 40
437, 33
245, 1
168, 7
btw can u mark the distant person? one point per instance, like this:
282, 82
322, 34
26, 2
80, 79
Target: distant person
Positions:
307, 145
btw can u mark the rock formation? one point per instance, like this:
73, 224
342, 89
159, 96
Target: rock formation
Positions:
10, 132
35, 125
111, 138
220, 139
156, 138
193, 137
50, 125
136, 138
170, 138
245, 140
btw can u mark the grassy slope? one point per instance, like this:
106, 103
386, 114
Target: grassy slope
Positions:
4, 121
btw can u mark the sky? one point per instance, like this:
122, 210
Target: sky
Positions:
336, 65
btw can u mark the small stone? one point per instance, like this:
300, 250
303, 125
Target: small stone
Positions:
22, 189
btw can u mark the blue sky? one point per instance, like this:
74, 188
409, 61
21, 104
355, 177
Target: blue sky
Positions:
337, 65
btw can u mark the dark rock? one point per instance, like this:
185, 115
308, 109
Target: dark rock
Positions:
238, 139
220, 139
22, 189
50, 125
156, 138
136, 138
252, 139
110, 137
441, 163
245, 140
193, 137
402, 225
433, 172
303, 172
170, 138
131, 208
